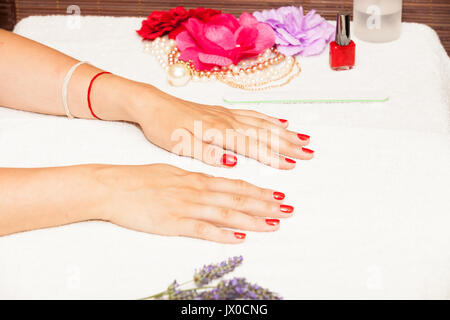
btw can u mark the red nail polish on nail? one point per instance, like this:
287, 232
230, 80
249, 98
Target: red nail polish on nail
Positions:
307, 150
303, 137
283, 120
272, 222
286, 209
228, 160
278, 195
239, 235
289, 160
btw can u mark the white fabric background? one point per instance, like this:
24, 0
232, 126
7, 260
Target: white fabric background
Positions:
372, 213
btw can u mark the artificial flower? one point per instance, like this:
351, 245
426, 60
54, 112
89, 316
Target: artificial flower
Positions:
223, 40
296, 33
159, 23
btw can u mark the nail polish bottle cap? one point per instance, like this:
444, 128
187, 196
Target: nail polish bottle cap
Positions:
343, 29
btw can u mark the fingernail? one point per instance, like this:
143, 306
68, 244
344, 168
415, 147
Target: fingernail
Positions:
278, 195
286, 209
282, 120
303, 137
228, 160
307, 150
272, 222
289, 160
239, 235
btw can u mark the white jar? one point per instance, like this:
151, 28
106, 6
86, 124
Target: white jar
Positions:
377, 20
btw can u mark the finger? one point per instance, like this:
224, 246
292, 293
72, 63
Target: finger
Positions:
276, 143
229, 218
243, 188
207, 231
237, 202
205, 152
283, 123
224, 136
258, 150
255, 124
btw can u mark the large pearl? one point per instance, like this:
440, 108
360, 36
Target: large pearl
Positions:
178, 74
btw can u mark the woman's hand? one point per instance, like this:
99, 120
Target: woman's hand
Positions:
166, 200
33, 75
206, 132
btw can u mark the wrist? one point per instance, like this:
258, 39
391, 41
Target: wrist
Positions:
113, 98
87, 195
145, 103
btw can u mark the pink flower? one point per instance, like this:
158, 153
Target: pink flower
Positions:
223, 40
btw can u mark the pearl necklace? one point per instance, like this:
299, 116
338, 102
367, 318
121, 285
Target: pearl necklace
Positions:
267, 70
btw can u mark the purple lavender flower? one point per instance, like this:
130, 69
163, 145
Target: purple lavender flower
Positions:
215, 271
237, 288
175, 293
296, 33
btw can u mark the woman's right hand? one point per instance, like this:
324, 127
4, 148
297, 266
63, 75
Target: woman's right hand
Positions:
166, 200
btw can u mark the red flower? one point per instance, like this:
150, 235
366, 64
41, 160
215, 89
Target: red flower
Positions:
159, 23
224, 40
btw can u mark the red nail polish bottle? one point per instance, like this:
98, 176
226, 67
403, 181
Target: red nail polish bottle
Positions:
342, 50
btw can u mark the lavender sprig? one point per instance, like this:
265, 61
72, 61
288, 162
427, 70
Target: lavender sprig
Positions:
175, 293
212, 272
237, 288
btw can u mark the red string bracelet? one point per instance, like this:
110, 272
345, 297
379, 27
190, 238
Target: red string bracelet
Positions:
89, 92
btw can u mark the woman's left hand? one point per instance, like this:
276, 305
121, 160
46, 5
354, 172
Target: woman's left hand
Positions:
206, 132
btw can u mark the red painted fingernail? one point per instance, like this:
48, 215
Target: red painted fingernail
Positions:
286, 209
289, 160
228, 160
272, 222
307, 150
282, 120
303, 137
239, 235
278, 195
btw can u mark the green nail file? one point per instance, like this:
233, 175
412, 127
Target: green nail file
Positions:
304, 97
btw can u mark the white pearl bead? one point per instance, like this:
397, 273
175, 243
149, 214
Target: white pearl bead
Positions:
178, 74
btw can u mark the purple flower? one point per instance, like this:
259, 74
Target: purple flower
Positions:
237, 288
296, 33
215, 271
175, 293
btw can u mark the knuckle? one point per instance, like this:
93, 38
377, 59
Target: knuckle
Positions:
200, 229
238, 200
255, 223
241, 185
260, 193
269, 207
261, 122
199, 181
224, 214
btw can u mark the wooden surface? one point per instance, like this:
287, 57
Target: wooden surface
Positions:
7, 14
435, 13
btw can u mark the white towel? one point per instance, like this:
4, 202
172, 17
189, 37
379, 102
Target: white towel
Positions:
372, 215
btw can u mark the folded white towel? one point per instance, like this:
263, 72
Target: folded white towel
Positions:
372, 213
